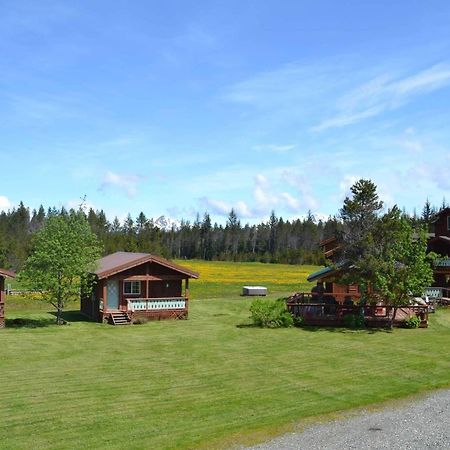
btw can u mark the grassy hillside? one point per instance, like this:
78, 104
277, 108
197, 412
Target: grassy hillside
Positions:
210, 381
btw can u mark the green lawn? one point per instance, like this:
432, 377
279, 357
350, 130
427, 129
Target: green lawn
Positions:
210, 381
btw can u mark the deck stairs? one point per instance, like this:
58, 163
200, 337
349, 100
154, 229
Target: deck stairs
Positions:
119, 318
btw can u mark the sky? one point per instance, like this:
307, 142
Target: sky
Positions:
178, 107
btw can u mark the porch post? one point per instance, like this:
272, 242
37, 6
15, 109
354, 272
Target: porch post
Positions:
105, 295
186, 293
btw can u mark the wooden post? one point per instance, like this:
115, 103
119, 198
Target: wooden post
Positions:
186, 293
105, 295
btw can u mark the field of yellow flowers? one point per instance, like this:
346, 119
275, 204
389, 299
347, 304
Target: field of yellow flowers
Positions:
219, 279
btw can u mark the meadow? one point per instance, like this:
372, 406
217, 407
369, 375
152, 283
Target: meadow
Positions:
212, 381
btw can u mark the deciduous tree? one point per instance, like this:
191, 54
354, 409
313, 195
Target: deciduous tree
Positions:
64, 251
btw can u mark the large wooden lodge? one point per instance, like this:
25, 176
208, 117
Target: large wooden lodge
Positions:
439, 242
130, 285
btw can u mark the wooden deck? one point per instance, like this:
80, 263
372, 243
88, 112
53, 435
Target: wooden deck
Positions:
333, 314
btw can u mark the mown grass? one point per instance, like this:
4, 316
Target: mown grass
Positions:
210, 381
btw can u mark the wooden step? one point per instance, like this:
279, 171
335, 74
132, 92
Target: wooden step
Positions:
119, 318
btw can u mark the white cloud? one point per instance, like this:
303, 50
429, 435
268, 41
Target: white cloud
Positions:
5, 204
125, 182
346, 183
292, 202
216, 206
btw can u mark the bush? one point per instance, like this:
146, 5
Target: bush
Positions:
354, 321
139, 320
298, 321
271, 313
412, 322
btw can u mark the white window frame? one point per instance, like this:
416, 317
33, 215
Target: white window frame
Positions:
134, 287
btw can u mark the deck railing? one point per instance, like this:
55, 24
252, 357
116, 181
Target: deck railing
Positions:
332, 313
155, 304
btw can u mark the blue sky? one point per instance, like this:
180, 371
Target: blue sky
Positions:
174, 107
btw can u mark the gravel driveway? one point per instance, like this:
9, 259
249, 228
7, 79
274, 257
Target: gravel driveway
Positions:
421, 423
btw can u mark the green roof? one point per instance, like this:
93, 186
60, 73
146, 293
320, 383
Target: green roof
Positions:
320, 273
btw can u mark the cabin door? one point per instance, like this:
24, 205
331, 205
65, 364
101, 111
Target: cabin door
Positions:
113, 294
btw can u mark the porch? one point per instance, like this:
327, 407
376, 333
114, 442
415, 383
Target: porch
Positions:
158, 308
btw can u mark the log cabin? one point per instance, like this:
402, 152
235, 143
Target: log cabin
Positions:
3, 274
131, 285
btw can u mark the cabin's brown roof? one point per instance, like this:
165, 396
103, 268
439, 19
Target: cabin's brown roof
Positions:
440, 214
120, 261
327, 241
446, 239
7, 273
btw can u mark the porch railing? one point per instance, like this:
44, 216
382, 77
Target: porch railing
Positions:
154, 304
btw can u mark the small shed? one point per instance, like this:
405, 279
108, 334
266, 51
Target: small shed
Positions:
3, 274
128, 285
254, 290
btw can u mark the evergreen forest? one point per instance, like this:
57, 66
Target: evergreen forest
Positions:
273, 241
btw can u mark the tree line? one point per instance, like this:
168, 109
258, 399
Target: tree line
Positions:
273, 241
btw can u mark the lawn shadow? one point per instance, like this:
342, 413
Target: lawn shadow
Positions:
374, 330
70, 316
247, 325
23, 322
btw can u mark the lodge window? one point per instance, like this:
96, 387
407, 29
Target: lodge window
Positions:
131, 287
448, 223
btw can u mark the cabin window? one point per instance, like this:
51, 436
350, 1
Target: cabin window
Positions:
131, 287
448, 223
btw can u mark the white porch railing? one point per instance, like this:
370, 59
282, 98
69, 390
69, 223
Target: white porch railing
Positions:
153, 304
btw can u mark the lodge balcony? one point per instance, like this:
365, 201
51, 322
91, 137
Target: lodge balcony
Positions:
442, 263
438, 294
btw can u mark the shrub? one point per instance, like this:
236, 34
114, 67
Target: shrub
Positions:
412, 322
354, 321
298, 321
139, 320
271, 313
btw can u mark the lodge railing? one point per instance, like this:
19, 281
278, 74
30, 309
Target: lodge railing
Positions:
155, 304
437, 293
442, 262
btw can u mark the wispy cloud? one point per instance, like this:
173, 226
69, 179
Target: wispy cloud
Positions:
125, 182
385, 93
274, 148
289, 85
